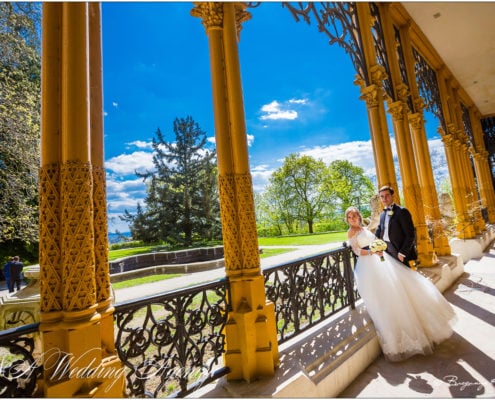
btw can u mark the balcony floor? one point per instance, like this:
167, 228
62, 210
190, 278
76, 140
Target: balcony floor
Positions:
462, 366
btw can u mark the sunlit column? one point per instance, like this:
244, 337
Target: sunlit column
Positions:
416, 121
464, 226
482, 164
411, 189
70, 323
472, 194
372, 93
429, 193
380, 141
251, 336
102, 270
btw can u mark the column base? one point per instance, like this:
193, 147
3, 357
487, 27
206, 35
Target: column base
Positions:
74, 361
251, 335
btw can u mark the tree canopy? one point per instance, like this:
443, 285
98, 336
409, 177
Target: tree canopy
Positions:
305, 190
20, 93
182, 199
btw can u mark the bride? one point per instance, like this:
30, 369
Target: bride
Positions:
409, 313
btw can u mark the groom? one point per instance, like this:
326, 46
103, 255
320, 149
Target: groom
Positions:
396, 228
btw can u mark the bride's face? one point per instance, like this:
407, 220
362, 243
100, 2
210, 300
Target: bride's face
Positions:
353, 219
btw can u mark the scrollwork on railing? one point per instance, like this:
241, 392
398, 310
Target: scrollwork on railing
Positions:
172, 341
339, 21
19, 366
307, 291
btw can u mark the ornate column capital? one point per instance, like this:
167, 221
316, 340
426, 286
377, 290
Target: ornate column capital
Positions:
371, 95
396, 109
211, 14
447, 139
416, 120
402, 91
378, 74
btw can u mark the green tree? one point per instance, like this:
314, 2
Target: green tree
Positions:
20, 91
348, 186
298, 190
182, 201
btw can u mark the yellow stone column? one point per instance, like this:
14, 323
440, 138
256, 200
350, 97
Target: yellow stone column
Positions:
380, 141
429, 194
412, 192
430, 198
372, 92
464, 226
399, 109
102, 270
473, 200
251, 335
481, 163
70, 325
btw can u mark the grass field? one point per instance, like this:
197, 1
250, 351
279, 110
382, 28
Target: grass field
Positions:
295, 240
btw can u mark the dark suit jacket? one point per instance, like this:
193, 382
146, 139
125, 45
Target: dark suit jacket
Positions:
401, 233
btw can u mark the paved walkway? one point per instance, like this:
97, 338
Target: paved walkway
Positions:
148, 289
462, 366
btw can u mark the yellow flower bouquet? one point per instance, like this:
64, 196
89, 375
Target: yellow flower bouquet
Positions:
378, 245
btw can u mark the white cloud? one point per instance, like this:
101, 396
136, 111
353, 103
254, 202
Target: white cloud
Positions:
126, 164
140, 144
250, 139
276, 111
115, 104
298, 101
125, 190
359, 153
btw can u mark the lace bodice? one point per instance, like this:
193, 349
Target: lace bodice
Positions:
361, 239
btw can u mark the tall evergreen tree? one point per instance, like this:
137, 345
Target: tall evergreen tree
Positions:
20, 92
182, 201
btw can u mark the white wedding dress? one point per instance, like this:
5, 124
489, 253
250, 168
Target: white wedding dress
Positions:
409, 313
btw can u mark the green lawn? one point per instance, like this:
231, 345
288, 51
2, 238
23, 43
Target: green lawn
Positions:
296, 240
301, 240
143, 279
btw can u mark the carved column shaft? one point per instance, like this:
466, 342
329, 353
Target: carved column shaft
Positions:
71, 125
411, 189
373, 95
465, 228
251, 335
422, 153
481, 159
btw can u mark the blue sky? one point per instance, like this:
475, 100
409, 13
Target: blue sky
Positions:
298, 92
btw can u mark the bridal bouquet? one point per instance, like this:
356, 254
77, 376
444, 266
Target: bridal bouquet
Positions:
378, 245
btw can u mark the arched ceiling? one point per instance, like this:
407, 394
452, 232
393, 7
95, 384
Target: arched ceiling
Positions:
463, 34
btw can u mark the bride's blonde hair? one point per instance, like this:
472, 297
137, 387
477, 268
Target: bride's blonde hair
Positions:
353, 209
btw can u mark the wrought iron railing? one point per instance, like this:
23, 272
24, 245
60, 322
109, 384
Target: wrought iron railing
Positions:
20, 366
173, 343
308, 290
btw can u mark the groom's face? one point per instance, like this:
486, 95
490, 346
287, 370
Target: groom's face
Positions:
387, 198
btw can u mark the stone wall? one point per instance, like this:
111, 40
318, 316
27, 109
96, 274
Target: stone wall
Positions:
166, 258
